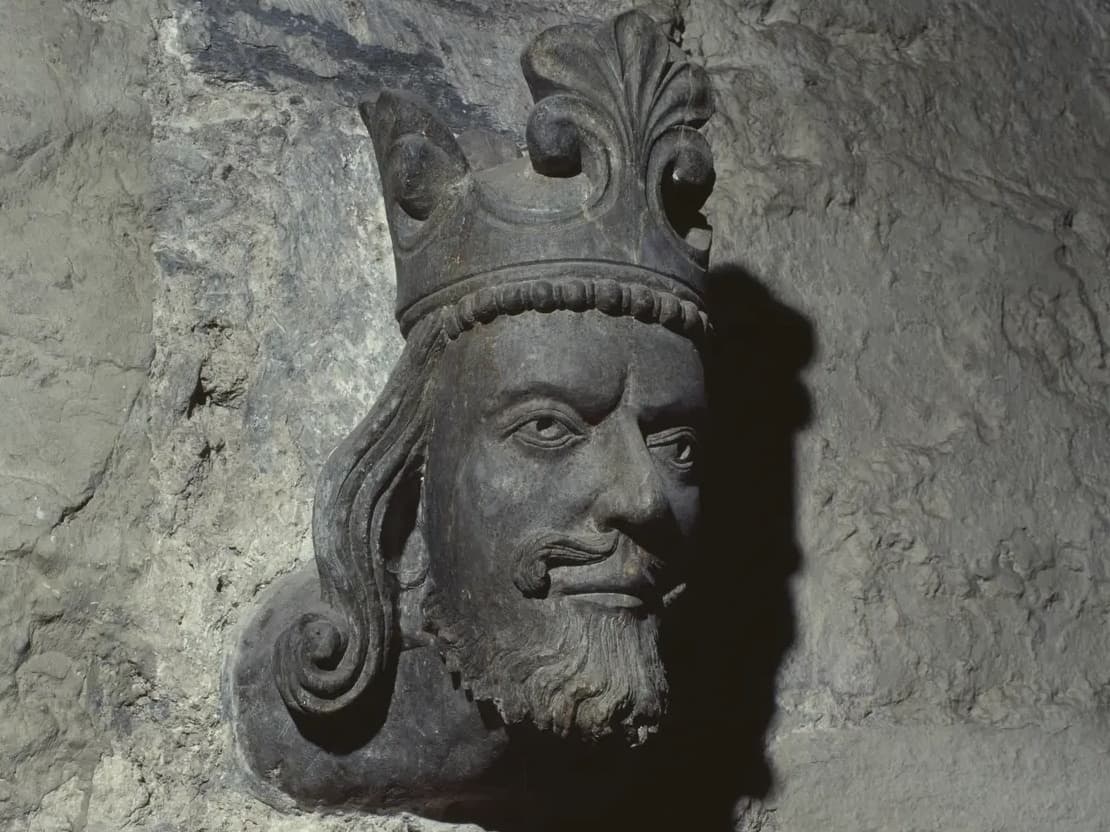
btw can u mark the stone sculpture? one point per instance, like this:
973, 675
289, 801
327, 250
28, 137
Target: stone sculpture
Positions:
499, 540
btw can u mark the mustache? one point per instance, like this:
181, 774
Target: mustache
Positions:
540, 554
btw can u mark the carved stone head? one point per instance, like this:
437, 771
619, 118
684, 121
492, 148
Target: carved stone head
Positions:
522, 502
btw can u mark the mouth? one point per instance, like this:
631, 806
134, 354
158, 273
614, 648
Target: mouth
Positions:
539, 557
596, 571
630, 589
613, 600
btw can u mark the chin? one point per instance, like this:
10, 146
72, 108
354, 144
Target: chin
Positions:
585, 671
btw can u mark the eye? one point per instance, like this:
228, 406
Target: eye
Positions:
679, 447
684, 451
545, 430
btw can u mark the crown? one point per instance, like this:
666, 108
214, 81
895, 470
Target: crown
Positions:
603, 212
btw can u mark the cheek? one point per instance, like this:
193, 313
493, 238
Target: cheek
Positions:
685, 504
520, 492
498, 500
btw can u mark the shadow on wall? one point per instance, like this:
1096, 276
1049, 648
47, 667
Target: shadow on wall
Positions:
743, 607
737, 621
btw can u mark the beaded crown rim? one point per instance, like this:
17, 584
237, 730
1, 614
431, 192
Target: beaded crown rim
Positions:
574, 294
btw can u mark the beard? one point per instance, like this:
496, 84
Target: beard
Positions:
569, 668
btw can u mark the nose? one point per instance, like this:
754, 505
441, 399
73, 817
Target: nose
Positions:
631, 496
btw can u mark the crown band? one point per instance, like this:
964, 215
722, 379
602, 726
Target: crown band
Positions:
520, 288
575, 294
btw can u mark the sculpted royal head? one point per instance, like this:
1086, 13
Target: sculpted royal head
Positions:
499, 541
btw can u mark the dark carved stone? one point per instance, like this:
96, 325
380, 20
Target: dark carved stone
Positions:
501, 542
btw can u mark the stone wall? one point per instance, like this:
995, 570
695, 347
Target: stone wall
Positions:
197, 292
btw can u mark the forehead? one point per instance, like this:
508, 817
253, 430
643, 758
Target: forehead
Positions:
591, 358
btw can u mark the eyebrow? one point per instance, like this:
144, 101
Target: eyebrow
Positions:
590, 402
674, 414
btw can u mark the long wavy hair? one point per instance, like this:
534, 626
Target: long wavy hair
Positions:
329, 660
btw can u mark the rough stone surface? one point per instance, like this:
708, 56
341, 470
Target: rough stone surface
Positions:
197, 296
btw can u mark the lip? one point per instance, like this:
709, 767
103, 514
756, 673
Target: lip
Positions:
625, 591
615, 600
625, 581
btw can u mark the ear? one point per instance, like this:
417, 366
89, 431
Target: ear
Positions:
405, 557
